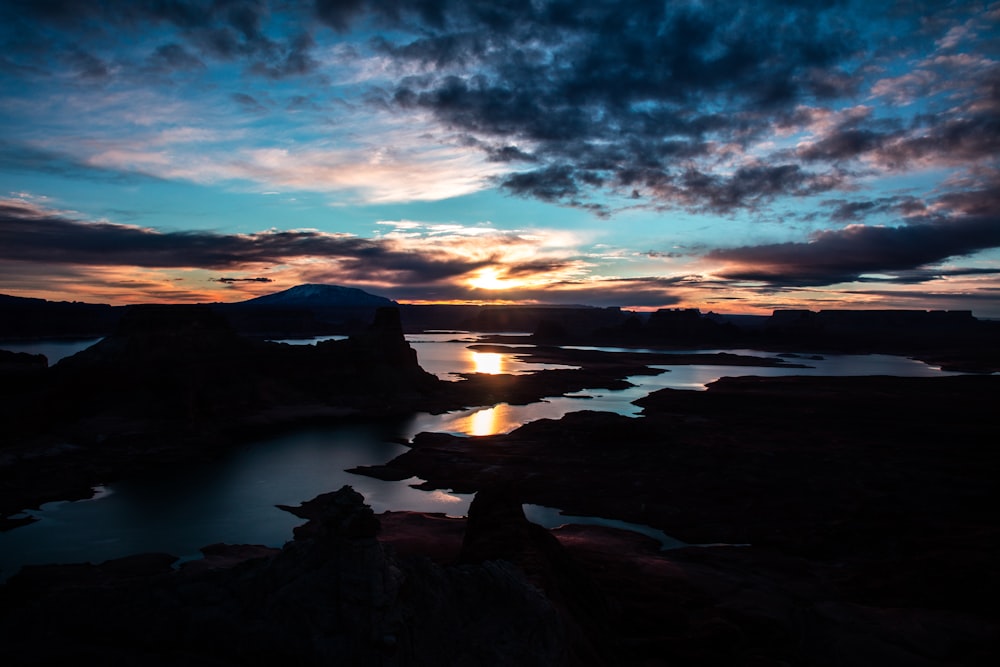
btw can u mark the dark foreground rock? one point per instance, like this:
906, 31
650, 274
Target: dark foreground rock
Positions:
175, 385
856, 516
864, 507
334, 595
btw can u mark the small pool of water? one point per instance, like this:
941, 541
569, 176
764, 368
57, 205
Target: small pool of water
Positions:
551, 517
54, 350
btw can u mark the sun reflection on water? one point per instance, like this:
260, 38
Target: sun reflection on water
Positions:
490, 363
484, 422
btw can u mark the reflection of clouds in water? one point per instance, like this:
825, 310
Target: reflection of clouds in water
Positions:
439, 496
490, 363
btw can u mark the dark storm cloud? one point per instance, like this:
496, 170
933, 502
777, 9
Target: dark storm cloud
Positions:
294, 59
750, 186
549, 184
972, 137
87, 65
639, 99
662, 103
845, 255
173, 57
30, 234
620, 96
242, 280
955, 140
964, 132
855, 211
981, 196
225, 29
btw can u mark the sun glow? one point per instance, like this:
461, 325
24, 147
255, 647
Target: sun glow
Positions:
489, 278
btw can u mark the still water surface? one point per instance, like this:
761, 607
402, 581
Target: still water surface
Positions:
233, 499
54, 350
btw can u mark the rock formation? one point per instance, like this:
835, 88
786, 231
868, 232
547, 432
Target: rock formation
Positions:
177, 384
334, 595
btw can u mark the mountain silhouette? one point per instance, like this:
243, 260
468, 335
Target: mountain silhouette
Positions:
316, 295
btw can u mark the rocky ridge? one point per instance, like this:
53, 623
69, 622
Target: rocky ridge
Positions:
333, 595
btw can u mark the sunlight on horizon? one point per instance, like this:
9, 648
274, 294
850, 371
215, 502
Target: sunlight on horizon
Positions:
489, 278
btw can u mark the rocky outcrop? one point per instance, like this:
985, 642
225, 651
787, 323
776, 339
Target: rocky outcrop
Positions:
184, 366
19, 363
176, 384
22, 318
855, 515
497, 530
334, 595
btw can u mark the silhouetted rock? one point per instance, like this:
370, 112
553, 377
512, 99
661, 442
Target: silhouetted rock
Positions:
21, 362
864, 507
26, 318
496, 529
551, 332
332, 596
176, 384
334, 514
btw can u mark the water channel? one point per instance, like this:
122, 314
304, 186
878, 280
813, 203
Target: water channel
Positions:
233, 499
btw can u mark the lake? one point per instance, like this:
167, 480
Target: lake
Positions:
233, 499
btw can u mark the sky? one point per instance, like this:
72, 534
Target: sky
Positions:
735, 157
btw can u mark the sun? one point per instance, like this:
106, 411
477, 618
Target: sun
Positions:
489, 278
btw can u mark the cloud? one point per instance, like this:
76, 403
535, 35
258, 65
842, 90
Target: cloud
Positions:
17, 156
714, 107
293, 59
226, 31
248, 103
642, 292
643, 101
395, 162
608, 97
243, 280
844, 255
856, 211
30, 233
173, 57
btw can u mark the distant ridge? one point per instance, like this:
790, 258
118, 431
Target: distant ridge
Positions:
316, 296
